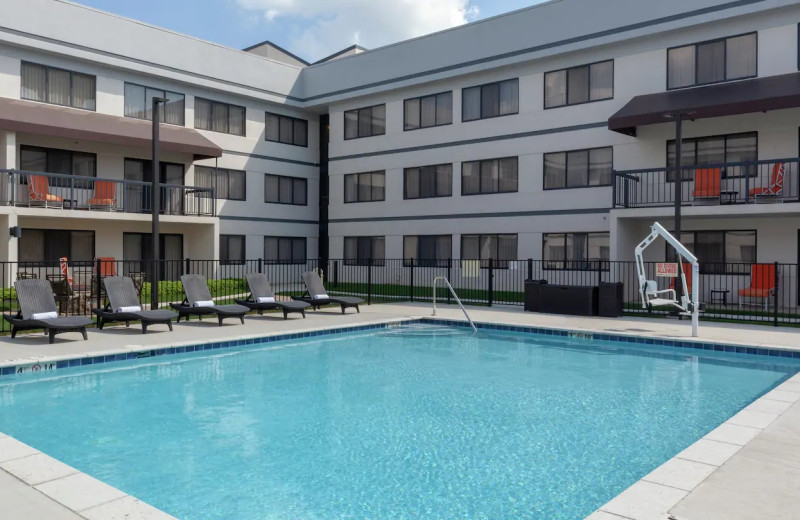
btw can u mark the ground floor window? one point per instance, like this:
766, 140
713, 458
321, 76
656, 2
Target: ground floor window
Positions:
499, 248
363, 250
231, 249
720, 252
576, 251
46, 246
285, 250
137, 251
428, 250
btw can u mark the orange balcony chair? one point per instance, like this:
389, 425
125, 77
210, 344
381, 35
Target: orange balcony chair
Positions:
762, 284
707, 184
687, 271
105, 195
39, 192
775, 188
108, 266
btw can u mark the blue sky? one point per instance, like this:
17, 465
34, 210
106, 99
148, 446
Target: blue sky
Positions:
311, 29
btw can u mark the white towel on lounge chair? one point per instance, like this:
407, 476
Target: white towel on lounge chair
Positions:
265, 299
204, 303
44, 315
132, 308
322, 296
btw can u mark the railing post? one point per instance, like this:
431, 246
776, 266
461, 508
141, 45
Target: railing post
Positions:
449, 270
613, 189
336, 273
14, 182
98, 270
775, 297
72, 200
530, 268
187, 266
369, 281
491, 282
747, 184
411, 288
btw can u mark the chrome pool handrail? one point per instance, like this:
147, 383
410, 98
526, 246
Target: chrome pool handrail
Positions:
453, 292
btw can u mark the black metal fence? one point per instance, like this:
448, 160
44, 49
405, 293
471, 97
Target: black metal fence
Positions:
757, 293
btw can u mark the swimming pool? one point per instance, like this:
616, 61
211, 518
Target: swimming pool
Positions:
409, 422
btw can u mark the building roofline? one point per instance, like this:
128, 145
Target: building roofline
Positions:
339, 53
282, 49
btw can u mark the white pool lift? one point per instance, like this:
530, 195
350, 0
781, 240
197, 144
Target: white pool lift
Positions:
648, 289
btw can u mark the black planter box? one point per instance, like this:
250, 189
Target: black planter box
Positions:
610, 299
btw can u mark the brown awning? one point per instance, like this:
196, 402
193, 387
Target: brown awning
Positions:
71, 123
724, 99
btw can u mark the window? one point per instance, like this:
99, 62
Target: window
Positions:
428, 181
428, 111
365, 122
716, 150
576, 251
578, 85
363, 250
578, 168
428, 250
231, 249
219, 117
58, 86
285, 250
51, 160
285, 190
499, 248
717, 250
227, 184
286, 130
365, 187
490, 100
48, 245
713, 61
489, 176
139, 104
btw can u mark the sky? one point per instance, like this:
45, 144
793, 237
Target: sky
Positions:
311, 29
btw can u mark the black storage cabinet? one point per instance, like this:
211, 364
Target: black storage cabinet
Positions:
560, 299
610, 299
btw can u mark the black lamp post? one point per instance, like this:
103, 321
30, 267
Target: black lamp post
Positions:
156, 201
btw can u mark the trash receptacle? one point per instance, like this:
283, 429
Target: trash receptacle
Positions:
610, 299
533, 297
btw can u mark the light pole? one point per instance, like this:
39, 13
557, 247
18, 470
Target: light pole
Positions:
156, 202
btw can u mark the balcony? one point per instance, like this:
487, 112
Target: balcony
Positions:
80, 193
754, 182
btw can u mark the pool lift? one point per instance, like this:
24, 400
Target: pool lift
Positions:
648, 289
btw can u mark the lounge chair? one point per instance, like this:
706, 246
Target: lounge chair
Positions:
762, 284
775, 188
317, 296
199, 301
105, 195
37, 310
707, 184
39, 192
262, 298
123, 305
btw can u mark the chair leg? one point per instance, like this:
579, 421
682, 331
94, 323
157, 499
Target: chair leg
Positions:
358, 310
13, 332
144, 327
169, 324
285, 314
100, 324
83, 332
343, 308
219, 317
303, 312
241, 317
51, 335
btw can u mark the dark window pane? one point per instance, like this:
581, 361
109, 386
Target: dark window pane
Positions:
351, 124
470, 177
681, 67
555, 89
34, 82
134, 101
286, 190
272, 131
428, 107
578, 90
411, 116
741, 57
351, 188
710, 150
508, 175
299, 192
412, 179
378, 186
490, 100
364, 122
471, 104
578, 169
601, 80
490, 176
600, 166
444, 180
300, 132
444, 108
711, 62
378, 120
509, 97
555, 170
287, 130
271, 188
58, 87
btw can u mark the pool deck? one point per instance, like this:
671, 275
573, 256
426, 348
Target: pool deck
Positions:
746, 469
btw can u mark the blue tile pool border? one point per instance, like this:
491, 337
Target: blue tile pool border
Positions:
46, 366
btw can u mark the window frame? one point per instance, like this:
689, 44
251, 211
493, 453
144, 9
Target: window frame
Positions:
435, 110
724, 61
436, 185
497, 263
72, 73
48, 263
227, 119
427, 262
293, 260
566, 185
480, 191
215, 174
358, 127
294, 121
591, 264
588, 67
373, 262
670, 177
165, 92
225, 238
358, 192
481, 87
294, 181
724, 250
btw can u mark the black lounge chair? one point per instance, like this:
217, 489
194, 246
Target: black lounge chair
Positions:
261, 293
199, 301
317, 296
123, 305
35, 299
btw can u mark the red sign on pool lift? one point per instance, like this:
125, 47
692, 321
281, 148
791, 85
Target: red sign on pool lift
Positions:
667, 269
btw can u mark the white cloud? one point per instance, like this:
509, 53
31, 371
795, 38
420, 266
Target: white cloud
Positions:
326, 26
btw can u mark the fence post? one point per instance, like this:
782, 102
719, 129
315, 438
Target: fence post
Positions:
188, 266
411, 288
491, 282
530, 269
98, 268
449, 270
775, 298
260, 265
336, 273
613, 189
369, 281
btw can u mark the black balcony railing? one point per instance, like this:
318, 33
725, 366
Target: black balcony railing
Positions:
77, 192
753, 182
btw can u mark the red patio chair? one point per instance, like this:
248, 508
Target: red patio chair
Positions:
762, 284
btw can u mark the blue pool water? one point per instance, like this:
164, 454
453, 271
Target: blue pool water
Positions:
405, 423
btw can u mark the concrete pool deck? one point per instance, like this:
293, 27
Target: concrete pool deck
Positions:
748, 468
